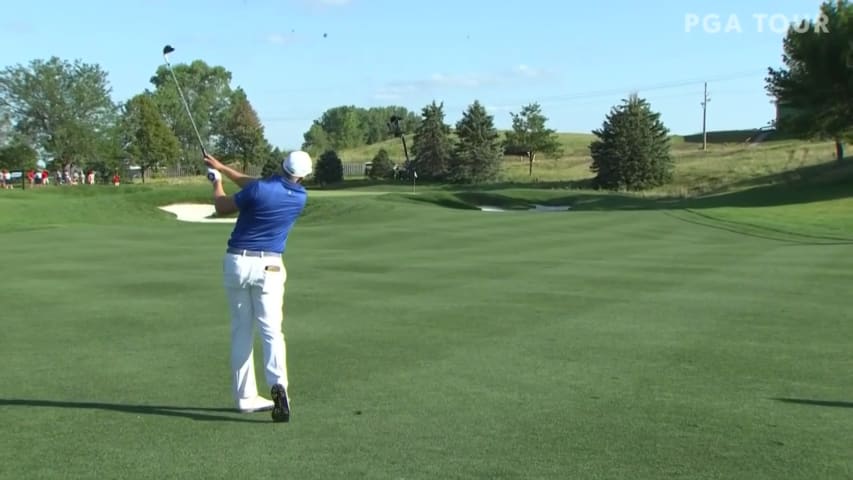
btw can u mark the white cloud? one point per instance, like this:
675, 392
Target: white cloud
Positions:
277, 38
529, 72
326, 3
500, 108
398, 89
17, 27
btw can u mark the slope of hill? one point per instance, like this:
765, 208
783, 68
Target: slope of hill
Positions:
731, 158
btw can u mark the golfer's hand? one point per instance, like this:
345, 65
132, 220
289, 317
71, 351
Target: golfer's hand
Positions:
214, 176
212, 162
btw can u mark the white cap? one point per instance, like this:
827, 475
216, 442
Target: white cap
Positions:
298, 164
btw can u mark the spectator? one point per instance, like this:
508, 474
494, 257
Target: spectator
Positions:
116, 179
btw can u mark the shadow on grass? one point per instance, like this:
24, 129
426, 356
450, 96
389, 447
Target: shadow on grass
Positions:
740, 136
762, 232
818, 173
583, 184
192, 413
355, 183
830, 181
813, 183
817, 403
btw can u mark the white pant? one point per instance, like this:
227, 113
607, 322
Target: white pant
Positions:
255, 288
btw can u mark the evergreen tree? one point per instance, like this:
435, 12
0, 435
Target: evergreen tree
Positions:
632, 149
149, 141
478, 153
242, 137
814, 91
272, 162
432, 147
329, 168
381, 167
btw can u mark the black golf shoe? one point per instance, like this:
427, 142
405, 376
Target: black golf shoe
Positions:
280, 409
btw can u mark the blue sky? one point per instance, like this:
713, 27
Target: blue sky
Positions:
576, 59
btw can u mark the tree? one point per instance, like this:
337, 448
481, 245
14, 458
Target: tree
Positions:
343, 127
375, 122
814, 91
329, 168
478, 153
242, 135
208, 92
432, 147
64, 107
632, 149
149, 141
18, 156
347, 126
381, 167
530, 135
316, 140
272, 163
5, 126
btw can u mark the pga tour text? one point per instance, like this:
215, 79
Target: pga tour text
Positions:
760, 22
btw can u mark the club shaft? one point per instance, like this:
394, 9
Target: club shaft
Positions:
186, 106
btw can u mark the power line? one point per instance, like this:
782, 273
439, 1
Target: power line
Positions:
705, 101
588, 95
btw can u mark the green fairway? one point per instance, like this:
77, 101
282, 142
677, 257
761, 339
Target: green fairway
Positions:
628, 338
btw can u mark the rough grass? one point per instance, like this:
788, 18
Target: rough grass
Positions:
730, 157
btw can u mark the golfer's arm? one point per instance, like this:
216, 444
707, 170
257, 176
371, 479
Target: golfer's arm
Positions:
223, 203
240, 179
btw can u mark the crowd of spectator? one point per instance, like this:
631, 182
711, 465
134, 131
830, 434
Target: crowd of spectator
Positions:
40, 177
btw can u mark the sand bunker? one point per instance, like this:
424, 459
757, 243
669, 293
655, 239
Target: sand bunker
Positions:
196, 212
534, 208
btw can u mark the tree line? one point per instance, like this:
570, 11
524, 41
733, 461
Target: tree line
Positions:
62, 111
631, 149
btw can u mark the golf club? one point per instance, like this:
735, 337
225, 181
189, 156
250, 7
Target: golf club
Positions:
211, 174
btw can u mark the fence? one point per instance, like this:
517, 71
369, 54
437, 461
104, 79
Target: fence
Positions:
350, 169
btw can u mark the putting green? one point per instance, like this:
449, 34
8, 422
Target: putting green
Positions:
429, 342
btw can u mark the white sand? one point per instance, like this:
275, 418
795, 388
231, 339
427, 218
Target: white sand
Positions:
535, 208
550, 208
196, 212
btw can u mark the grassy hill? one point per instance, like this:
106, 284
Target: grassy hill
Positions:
732, 158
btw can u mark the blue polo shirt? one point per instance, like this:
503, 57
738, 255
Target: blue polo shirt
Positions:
268, 209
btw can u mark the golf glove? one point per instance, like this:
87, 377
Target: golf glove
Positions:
213, 175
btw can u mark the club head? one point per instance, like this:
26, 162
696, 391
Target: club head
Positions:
168, 49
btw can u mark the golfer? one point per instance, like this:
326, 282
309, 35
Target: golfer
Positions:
254, 274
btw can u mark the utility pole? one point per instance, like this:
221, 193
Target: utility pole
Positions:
705, 101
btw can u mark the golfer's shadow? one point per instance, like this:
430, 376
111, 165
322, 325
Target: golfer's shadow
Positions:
205, 414
816, 403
